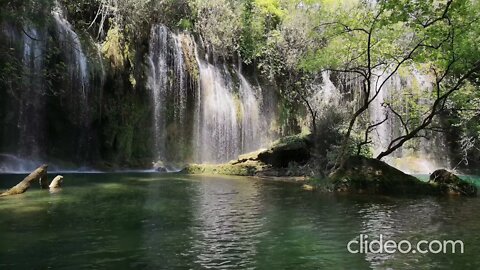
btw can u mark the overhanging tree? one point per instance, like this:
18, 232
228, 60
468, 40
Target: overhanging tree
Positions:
375, 40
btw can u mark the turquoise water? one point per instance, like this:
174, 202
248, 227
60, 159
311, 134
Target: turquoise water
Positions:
153, 221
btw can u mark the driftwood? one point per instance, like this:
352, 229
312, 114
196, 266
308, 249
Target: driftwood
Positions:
40, 174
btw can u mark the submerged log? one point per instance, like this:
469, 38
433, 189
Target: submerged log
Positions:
40, 174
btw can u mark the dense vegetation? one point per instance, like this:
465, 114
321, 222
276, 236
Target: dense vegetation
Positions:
288, 44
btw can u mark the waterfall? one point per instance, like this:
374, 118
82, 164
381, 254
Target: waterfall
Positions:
218, 139
171, 93
78, 84
423, 155
232, 117
74, 54
207, 110
254, 123
32, 104
325, 93
32, 100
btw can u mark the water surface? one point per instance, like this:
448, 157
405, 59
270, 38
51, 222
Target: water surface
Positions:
154, 221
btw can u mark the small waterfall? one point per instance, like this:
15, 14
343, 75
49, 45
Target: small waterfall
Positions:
208, 111
70, 43
422, 155
76, 94
326, 94
219, 137
171, 93
383, 134
32, 101
230, 116
254, 124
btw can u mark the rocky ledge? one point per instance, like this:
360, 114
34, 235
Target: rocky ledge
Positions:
291, 157
285, 157
366, 175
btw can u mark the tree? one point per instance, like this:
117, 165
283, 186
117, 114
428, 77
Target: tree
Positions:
375, 40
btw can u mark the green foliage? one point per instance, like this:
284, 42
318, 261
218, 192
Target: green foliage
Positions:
114, 48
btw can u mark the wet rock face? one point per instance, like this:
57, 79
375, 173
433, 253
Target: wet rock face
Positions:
449, 183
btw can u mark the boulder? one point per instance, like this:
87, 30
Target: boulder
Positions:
449, 183
291, 151
159, 166
367, 175
286, 150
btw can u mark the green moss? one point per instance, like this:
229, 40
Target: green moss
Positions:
188, 48
366, 175
113, 48
244, 169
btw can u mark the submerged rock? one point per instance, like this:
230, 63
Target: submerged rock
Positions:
449, 183
159, 166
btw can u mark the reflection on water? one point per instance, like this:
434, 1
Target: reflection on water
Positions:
153, 221
227, 223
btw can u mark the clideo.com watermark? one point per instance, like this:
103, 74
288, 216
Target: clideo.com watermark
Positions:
364, 245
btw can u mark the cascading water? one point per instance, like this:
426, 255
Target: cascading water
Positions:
214, 111
32, 104
78, 82
326, 94
171, 93
254, 124
230, 117
72, 47
219, 137
421, 156
32, 101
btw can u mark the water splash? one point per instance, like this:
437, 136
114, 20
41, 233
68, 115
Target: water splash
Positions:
14, 164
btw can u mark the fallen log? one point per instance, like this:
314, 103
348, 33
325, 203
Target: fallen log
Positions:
40, 175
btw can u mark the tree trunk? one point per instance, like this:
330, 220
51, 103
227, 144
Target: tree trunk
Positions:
40, 174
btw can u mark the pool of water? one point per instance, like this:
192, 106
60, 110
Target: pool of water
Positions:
154, 221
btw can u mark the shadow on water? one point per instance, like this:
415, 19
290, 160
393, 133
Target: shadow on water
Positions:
155, 221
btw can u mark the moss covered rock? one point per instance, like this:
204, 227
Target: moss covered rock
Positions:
449, 183
366, 175
277, 160
248, 168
